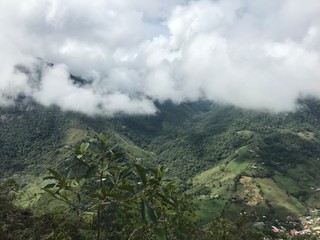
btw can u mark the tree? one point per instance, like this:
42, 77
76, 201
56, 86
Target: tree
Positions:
124, 197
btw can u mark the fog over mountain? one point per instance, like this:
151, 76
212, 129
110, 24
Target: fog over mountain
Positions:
253, 54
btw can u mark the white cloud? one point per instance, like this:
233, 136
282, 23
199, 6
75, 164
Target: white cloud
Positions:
56, 88
254, 54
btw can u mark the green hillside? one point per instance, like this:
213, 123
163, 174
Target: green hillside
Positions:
232, 160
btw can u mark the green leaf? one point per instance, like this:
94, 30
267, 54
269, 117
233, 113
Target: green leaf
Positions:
142, 173
91, 171
49, 177
125, 173
154, 181
148, 214
49, 191
79, 197
153, 215
77, 149
102, 138
171, 212
169, 187
110, 155
51, 185
166, 199
102, 192
158, 172
115, 195
87, 187
55, 174
117, 155
94, 195
126, 187
63, 182
65, 197
111, 182
84, 147
160, 233
145, 212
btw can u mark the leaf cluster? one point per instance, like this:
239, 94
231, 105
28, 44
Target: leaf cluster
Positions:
141, 202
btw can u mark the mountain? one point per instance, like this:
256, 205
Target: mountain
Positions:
233, 160
239, 160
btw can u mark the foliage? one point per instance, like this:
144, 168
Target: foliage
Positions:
29, 136
189, 139
125, 198
19, 224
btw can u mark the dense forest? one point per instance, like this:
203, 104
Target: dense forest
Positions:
182, 174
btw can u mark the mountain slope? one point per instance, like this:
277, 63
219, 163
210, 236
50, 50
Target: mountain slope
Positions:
232, 159
244, 160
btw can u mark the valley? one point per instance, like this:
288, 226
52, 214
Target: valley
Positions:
232, 161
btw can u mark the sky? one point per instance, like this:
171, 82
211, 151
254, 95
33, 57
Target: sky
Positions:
262, 54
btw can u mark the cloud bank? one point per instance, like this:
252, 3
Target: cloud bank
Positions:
253, 54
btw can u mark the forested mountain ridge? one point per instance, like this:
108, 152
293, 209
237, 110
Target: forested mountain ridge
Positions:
239, 159
231, 159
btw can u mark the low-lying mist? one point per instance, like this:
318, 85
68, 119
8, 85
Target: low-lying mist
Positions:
252, 54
